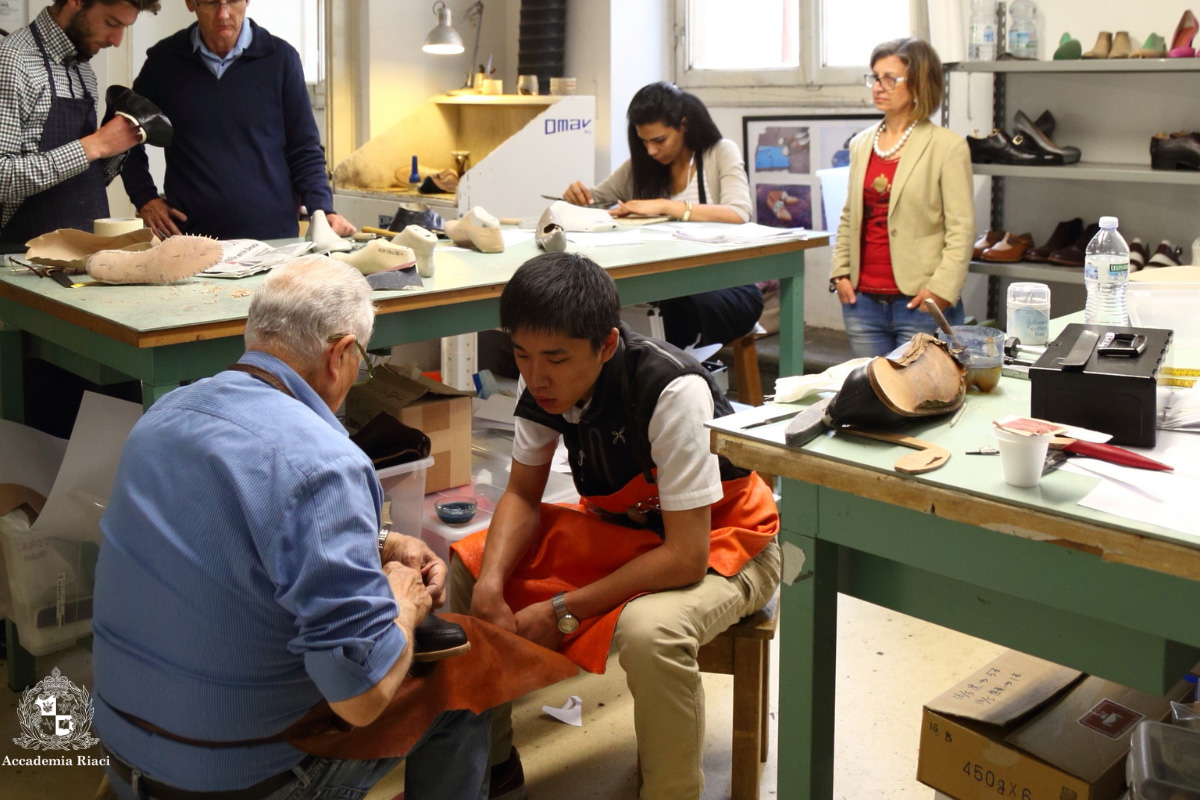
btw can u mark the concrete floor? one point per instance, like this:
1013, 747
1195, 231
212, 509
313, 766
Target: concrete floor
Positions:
888, 665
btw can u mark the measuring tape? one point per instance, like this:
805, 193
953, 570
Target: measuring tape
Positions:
1181, 372
1185, 383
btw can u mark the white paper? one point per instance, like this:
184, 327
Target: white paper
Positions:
242, 257
606, 238
515, 236
29, 457
725, 233
571, 712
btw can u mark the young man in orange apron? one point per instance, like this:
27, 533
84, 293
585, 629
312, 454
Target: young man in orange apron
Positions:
670, 544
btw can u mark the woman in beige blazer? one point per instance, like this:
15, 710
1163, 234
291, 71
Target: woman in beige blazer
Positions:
908, 227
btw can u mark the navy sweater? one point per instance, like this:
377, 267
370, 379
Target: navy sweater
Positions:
246, 152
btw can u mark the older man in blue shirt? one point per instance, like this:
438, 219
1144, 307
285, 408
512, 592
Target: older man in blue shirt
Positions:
240, 579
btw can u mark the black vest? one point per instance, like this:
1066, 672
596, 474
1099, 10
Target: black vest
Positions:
610, 445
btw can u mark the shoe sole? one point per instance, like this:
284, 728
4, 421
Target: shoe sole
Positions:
438, 655
1172, 163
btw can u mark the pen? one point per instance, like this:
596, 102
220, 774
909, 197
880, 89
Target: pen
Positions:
957, 414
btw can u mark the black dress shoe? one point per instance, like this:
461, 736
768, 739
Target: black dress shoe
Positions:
999, 149
1039, 139
429, 219
1046, 123
1073, 254
1065, 234
1175, 151
437, 638
156, 129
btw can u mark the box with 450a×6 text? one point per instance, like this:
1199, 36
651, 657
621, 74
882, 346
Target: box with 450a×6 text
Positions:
1027, 729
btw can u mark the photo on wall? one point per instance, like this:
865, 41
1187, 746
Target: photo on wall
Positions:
783, 155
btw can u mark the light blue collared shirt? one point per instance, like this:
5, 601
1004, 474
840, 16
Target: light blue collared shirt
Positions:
217, 65
239, 580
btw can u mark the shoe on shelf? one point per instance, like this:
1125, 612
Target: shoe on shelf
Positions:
1046, 123
1167, 255
1138, 254
1064, 235
1028, 128
1010, 249
1175, 151
1068, 49
1121, 46
1073, 254
999, 149
1181, 41
985, 241
508, 779
1154, 47
1102, 47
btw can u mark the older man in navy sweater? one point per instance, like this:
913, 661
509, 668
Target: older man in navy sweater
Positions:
246, 153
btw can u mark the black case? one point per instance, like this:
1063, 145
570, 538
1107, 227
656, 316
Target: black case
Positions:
1111, 394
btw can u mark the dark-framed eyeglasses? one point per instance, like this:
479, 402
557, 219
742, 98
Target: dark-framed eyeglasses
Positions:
337, 337
214, 5
889, 82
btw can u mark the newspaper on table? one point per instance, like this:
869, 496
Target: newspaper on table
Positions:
242, 257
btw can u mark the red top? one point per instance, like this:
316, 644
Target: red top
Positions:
876, 273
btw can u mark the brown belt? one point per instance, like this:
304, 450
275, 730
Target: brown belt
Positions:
163, 791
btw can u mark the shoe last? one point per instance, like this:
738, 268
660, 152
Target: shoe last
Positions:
1102, 47
1069, 49
1121, 45
1154, 47
322, 236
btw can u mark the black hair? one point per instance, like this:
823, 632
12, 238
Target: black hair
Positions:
666, 103
562, 293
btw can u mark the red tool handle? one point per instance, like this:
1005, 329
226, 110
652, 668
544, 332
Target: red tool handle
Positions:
1117, 455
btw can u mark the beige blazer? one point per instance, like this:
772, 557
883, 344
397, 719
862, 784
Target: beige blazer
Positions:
931, 216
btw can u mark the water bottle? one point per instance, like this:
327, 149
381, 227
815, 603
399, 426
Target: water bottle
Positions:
982, 44
1106, 276
1022, 34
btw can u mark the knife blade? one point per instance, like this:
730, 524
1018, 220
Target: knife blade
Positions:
810, 422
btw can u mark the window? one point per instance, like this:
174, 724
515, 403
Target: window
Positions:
782, 42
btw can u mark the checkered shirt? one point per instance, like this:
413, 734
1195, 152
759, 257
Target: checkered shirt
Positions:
24, 106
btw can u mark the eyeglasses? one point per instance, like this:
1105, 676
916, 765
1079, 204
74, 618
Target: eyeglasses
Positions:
337, 337
889, 82
214, 5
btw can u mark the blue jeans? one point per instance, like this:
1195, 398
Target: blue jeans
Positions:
878, 324
457, 738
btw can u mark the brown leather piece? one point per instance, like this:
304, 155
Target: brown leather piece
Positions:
1009, 249
499, 668
985, 241
925, 381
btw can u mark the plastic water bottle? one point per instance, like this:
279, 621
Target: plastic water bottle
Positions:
982, 44
1022, 34
1106, 276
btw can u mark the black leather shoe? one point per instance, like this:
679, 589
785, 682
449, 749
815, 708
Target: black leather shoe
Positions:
1046, 123
1073, 254
1037, 137
429, 219
1065, 234
437, 638
156, 129
1175, 151
999, 149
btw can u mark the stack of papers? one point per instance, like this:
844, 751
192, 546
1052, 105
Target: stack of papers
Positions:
242, 257
725, 233
1179, 409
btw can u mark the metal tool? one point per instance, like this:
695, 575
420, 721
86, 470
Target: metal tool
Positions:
589, 205
983, 451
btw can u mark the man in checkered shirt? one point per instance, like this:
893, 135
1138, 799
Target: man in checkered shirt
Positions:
54, 161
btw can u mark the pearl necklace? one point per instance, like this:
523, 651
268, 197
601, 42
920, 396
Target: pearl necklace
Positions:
886, 154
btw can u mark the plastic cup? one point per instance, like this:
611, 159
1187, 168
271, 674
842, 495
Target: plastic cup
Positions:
983, 356
1022, 457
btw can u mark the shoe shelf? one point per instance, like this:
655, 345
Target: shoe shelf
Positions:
1028, 271
1128, 65
1094, 171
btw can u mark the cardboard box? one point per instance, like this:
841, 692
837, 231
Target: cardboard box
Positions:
1028, 729
443, 413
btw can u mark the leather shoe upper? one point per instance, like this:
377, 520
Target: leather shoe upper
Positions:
437, 638
1000, 149
1065, 234
1175, 151
155, 126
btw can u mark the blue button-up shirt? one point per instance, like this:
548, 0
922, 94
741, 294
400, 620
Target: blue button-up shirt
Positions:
217, 65
239, 581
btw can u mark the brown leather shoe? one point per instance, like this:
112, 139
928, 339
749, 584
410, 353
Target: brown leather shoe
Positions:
1009, 249
1167, 255
1072, 254
988, 239
1066, 233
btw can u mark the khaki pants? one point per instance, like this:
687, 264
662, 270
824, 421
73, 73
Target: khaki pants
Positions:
656, 640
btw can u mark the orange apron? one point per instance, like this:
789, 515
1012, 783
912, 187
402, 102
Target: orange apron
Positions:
578, 548
499, 668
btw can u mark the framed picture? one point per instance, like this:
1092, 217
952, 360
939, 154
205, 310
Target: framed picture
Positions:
783, 155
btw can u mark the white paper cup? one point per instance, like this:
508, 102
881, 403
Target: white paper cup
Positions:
1022, 457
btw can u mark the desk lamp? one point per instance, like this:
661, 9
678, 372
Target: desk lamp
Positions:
444, 40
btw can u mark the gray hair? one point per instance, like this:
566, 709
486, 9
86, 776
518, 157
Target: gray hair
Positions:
301, 304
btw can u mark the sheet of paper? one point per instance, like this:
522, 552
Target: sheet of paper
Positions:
29, 457
571, 712
515, 236
606, 239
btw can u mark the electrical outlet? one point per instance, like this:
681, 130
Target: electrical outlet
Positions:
385, 220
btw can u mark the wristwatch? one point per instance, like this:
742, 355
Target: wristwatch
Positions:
383, 534
566, 622
833, 283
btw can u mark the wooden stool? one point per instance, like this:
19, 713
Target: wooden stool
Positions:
745, 368
744, 651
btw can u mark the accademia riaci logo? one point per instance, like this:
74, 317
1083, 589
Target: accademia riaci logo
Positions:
56, 715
